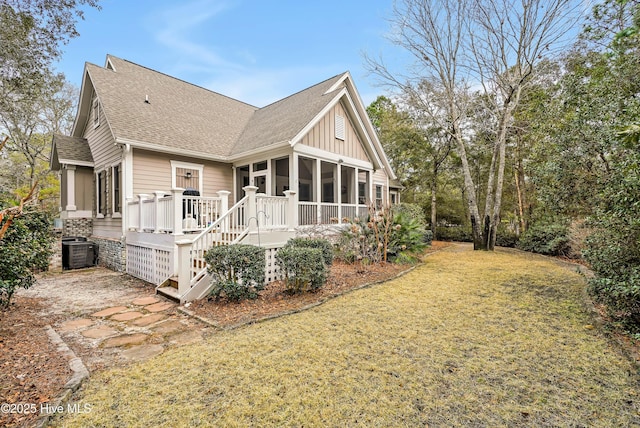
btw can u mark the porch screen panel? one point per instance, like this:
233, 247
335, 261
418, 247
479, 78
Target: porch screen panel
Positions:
188, 178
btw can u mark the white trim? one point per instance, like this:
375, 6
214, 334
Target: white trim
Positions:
75, 163
313, 152
114, 213
76, 214
170, 150
187, 165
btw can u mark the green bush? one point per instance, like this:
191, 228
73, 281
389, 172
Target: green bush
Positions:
506, 237
427, 237
303, 267
238, 271
25, 248
319, 243
413, 211
454, 233
407, 236
551, 239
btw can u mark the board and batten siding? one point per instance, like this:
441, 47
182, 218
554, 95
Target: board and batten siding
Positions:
323, 136
85, 188
152, 172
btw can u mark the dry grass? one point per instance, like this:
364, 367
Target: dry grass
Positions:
468, 339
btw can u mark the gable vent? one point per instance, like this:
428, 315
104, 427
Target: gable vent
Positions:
340, 127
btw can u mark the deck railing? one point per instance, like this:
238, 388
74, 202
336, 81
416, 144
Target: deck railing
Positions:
310, 213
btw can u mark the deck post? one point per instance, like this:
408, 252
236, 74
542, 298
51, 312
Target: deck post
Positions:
177, 210
184, 268
141, 199
156, 207
292, 209
252, 208
224, 207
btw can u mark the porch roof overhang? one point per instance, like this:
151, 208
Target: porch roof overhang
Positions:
69, 151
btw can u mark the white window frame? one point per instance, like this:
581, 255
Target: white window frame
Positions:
99, 193
96, 112
186, 165
112, 190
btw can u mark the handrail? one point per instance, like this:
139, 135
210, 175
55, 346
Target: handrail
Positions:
232, 223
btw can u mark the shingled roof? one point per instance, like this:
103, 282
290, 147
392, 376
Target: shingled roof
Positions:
146, 106
70, 151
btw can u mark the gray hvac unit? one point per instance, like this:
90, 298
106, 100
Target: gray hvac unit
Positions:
78, 254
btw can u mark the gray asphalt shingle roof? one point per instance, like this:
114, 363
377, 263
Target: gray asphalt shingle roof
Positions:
72, 150
183, 116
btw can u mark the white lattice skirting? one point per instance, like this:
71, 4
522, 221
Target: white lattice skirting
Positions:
150, 264
272, 270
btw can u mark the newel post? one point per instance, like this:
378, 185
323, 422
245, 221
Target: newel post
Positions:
252, 208
292, 209
184, 264
177, 210
156, 210
224, 201
141, 198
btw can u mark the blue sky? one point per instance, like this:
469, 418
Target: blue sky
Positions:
252, 50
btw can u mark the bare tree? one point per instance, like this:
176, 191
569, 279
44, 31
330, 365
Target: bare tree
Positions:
459, 44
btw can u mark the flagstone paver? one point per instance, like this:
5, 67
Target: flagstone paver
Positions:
142, 301
109, 311
142, 352
125, 339
75, 324
148, 320
99, 332
159, 307
168, 327
126, 316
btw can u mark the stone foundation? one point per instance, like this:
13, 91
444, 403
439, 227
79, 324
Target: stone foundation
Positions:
77, 227
112, 253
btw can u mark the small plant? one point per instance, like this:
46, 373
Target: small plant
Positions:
303, 267
237, 271
319, 243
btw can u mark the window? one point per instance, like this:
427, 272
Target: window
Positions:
102, 193
187, 176
339, 127
378, 197
96, 113
115, 178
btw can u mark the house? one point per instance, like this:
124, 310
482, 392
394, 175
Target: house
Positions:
158, 169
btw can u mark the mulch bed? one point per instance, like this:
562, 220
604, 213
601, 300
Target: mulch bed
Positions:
31, 370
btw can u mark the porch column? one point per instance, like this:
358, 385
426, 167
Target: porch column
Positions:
156, 208
71, 188
357, 192
292, 209
252, 210
177, 210
318, 189
338, 191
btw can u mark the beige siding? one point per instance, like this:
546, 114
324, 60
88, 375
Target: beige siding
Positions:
107, 227
85, 188
152, 171
102, 143
322, 136
380, 178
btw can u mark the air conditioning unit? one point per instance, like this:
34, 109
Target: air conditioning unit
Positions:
79, 254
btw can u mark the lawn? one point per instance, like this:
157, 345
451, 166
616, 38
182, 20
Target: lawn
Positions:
467, 339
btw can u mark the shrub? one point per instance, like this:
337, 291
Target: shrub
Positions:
380, 237
551, 239
237, 271
454, 233
303, 267
25, 248
427, 237
319, 243
414, 211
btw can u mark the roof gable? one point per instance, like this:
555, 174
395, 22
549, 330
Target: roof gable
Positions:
69, 151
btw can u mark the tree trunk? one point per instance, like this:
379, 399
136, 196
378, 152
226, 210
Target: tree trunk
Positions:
489, 200
470, 193
434, 206
522, 196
